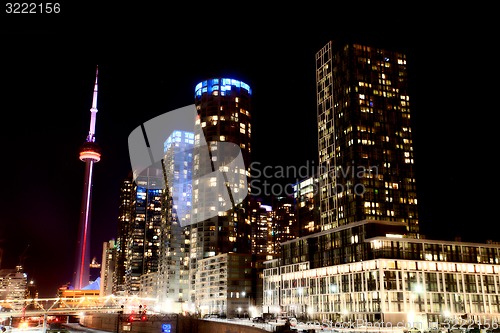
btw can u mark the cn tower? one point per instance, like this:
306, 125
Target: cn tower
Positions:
90, 153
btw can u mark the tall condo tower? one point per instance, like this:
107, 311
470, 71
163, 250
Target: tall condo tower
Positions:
223, 107
365, 137
90, 153
220, 226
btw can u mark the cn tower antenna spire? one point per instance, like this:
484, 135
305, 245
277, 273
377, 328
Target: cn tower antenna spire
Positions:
93, 109
90, 153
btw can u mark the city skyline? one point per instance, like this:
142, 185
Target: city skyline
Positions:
55, 90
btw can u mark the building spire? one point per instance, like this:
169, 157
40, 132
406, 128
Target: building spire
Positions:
93, 110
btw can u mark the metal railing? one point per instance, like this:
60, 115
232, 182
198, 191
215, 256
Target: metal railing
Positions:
72, 305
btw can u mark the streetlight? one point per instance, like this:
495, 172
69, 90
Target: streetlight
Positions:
239, 311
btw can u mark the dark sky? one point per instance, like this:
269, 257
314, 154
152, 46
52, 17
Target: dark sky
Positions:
149, 62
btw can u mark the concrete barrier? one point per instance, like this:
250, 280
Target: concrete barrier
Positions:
207, 326
161, 324
111, 322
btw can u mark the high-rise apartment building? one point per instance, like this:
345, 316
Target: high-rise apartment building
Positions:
139, 230
173, 273
108, 267
220, 226
365, 141
284, 221
264, 245
263, 242
125, 213
368, 263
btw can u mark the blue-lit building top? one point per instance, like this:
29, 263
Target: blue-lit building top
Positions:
220, 86
179, 138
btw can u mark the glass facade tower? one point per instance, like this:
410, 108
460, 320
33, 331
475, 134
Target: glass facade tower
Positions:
365, 137
173, 273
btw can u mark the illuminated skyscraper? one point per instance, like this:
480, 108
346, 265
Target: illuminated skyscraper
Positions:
173, 271
125, 215
108, 266
285, 226
218, 226
263, 245
223, 107
144, 230
90, 153
365, 137
139, 230
178, 163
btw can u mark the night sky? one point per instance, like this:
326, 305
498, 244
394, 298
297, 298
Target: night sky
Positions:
149, 64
